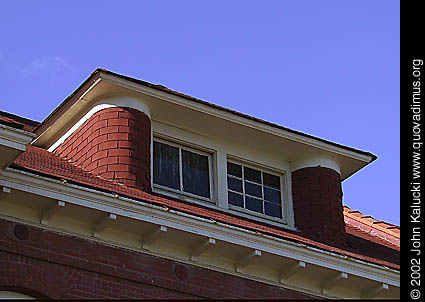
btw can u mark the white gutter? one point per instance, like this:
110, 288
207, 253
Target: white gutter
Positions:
15, 138
12, 143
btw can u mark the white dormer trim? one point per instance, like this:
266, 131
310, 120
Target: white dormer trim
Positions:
78, 125
201, 117
316, 162
110, 102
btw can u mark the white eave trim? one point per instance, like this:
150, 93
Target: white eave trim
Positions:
234, 118
78, 124
160, 215
15, 138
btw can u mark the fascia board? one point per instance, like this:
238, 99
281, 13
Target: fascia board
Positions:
235, 119
48, 127
159, 215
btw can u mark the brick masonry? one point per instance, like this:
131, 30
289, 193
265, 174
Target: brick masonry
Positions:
47, 264
114, 143
317, 200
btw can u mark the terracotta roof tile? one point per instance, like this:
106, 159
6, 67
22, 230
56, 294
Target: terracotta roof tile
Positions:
381, 226
364, 245
364, 231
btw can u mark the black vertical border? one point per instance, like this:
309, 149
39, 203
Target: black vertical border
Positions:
412, 38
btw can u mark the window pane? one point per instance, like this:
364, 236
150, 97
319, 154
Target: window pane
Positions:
271, 180
235, 170
235, 199
273, 209
234, 184
254, 204
272, 195
252, 175
253, 189
196, 178
166, 165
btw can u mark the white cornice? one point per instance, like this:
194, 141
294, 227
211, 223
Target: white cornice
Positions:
166, 256
12, 143
98, 106
316, 162
78, 124
160, 215
201, 117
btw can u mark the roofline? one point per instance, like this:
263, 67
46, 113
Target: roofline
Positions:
97, 74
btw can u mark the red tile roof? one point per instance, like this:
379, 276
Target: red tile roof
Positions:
365, 244
385, 231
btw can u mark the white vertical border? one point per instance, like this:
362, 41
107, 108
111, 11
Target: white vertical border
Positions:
221, 176
289, 205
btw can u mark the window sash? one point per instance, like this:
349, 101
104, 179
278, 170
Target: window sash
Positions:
244, 194
180, 169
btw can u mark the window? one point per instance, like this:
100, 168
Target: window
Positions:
254, 190
182, 169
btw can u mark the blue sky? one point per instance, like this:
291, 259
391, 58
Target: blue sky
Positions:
327, 68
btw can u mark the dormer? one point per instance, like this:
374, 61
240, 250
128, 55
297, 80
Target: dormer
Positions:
149, 137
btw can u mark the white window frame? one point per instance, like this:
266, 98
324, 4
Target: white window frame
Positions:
284, 198
221, 152
180, 193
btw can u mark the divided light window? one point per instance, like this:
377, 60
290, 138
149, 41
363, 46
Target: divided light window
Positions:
254, 190
182, 169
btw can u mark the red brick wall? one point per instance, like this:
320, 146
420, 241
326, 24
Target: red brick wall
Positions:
317, 199
64, 267
115, 144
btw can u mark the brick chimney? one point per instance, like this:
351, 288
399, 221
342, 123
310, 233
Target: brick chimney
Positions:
114, 143
317, 200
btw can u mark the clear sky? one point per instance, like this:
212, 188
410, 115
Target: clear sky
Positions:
326, 68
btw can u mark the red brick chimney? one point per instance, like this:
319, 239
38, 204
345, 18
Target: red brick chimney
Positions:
317, 200
114, 143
